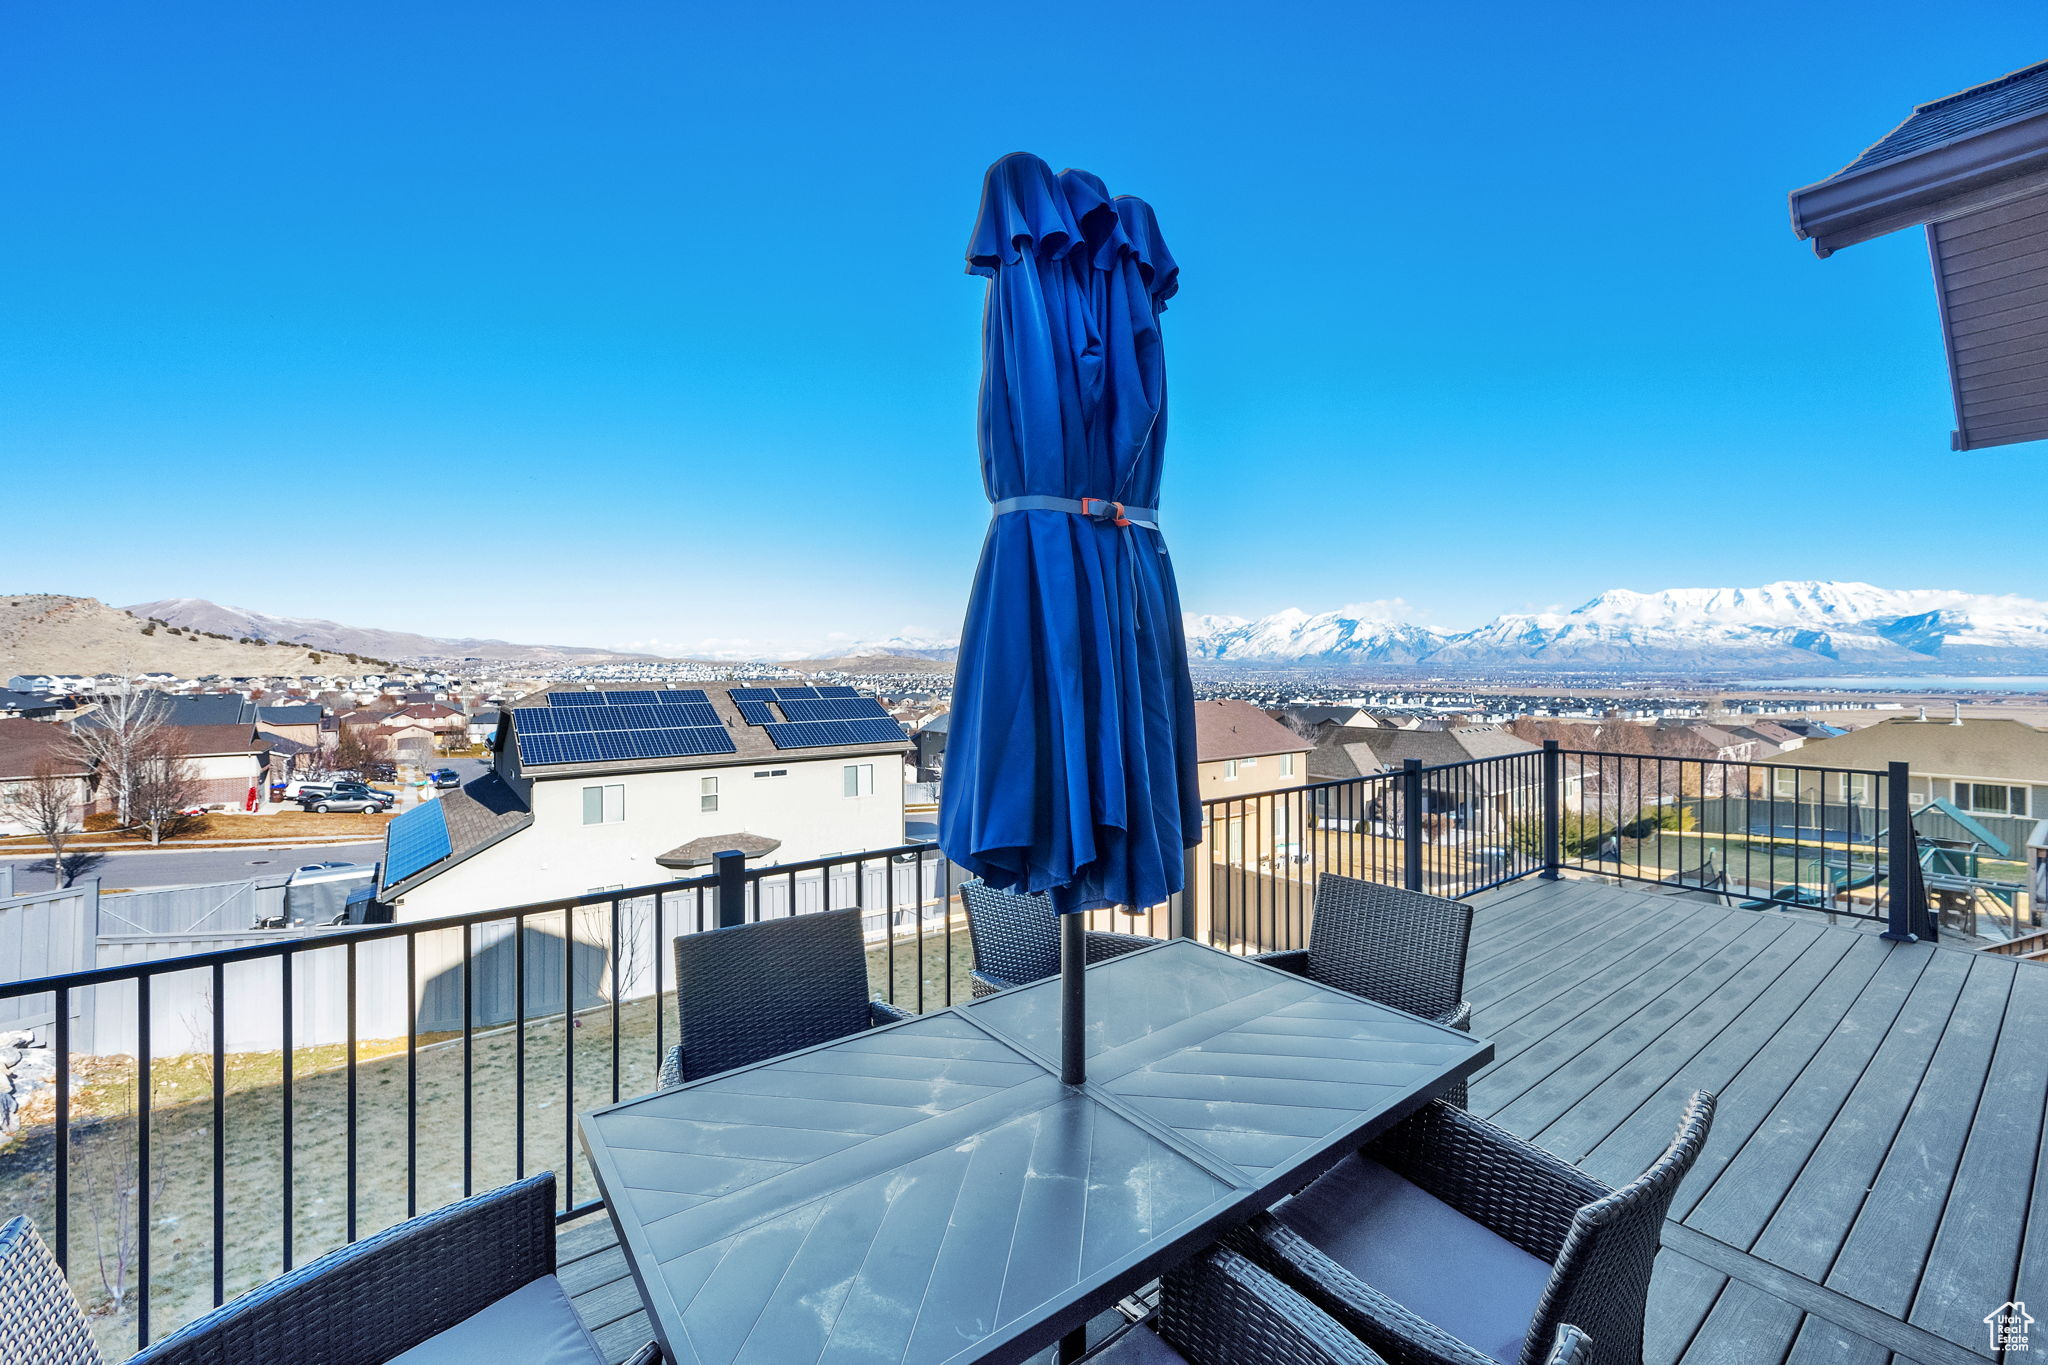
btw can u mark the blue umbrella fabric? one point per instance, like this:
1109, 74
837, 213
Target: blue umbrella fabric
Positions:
1070, 759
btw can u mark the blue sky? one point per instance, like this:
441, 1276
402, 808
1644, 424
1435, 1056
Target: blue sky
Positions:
629, 322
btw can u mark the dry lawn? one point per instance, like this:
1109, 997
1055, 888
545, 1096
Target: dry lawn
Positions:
464, 1136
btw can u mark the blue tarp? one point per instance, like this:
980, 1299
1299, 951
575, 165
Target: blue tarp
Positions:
1070, 768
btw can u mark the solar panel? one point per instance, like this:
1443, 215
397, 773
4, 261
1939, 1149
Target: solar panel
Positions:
678, 696
812, 734
575, 699
835, 708
753, 694
414, 841
839, 691
756, 713
646, 697
610, 746
796, 694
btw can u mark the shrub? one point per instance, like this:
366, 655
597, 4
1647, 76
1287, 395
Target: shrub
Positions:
100, 821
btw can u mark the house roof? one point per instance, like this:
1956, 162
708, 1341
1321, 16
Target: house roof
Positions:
1237, 729
1360, 753
23, 742
425, 710
295, 713
202, 741
2008, 751
750, 742
1973, 167
480, 813
702, 852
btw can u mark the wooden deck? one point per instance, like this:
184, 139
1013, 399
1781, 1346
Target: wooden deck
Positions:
1877, 1179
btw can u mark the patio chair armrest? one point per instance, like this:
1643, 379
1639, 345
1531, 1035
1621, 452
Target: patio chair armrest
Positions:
1225, 1306
672, 1068
987, 983
1459, 1018
362, 1304
881, 1012
1288, 960
39, 1315
1496, 1179
1380, 1322
1104, 945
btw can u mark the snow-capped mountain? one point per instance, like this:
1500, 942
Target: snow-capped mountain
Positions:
1807, 625
1341, 636
896, 646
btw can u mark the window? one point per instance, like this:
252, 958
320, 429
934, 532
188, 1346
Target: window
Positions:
1784, 785
858, 779
771, 772
1855, 789
604, 805
1230, 770
707, 793
1287, 765
1986, 798
1247, 763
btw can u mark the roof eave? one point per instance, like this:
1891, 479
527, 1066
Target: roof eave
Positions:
1989, 167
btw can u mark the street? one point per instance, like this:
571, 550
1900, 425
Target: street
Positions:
127, 870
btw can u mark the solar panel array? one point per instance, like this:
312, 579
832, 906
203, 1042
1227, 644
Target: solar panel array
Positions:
646, 696
415, 841
604, 727
756, 713
812, 734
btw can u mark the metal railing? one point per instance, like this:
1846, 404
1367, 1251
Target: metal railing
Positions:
217, 1118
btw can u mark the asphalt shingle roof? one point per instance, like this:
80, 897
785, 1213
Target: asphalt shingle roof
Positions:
1957, 116
478, 814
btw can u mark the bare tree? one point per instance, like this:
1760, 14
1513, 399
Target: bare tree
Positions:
114, 738
354, 749
163, 784
44, 805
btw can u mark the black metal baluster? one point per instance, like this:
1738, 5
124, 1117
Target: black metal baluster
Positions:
660, 1005
286, 965
519, 1041
569, 1056
220, 1135
468, 1063
351, 950
143, 1086
412, 1074
615, 999
61, 1215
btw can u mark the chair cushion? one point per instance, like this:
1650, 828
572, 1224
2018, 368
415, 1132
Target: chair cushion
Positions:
1423, 1254
1139, 1345
534, 1324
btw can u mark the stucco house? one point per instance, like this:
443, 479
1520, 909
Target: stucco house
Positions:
537, 827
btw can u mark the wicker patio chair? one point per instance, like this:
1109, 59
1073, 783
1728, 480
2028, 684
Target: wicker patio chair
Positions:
1017, 938
755, 991
39, 1317
1221, 1309
473, 1281
1397, 947
1450, 1242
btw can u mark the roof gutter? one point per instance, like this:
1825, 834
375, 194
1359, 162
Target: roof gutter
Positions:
2000, 163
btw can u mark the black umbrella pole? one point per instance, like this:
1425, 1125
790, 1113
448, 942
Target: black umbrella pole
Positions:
1073, 1000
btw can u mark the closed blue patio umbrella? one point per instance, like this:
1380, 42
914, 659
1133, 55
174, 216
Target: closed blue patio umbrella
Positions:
1070, 765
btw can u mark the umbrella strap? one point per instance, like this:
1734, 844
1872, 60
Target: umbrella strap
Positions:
1095, 509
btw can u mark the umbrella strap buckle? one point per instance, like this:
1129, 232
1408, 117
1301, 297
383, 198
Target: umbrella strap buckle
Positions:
1102, 509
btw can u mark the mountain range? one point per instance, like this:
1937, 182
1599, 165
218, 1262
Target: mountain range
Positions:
1810, 626
196, 613
1807, 626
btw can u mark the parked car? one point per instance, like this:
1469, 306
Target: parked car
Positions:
350, 796
445, 777
340, 801
299, 791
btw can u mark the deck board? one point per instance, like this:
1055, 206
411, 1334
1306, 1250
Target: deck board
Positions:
1877, 1179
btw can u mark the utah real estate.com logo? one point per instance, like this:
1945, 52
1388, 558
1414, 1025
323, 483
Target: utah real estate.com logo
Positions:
2009, 1323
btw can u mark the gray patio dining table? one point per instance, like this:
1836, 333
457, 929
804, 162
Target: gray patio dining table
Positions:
930, 1192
